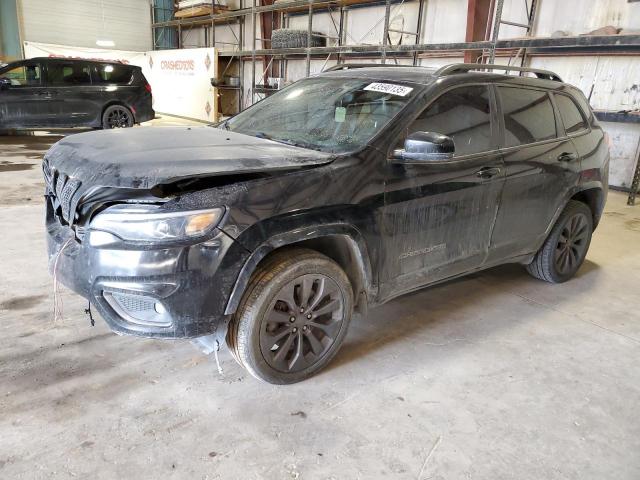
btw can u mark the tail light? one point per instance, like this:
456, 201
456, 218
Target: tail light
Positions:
147, 87
607, 139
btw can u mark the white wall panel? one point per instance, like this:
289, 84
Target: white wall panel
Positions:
445, 21
615, 80
582, 16
625, 147
80, 23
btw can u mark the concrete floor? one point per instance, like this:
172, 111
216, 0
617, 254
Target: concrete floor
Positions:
496, 376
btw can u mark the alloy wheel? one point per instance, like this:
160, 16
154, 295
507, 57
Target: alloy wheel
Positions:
302, 323
572, 244
119, 118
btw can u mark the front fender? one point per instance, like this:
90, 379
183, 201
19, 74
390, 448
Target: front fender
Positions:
352, 235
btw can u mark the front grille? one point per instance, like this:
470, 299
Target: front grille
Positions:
66, 197
48, 174
61, 190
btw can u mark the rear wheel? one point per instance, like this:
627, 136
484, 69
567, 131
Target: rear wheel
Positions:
565, 249
117, 116
293, 317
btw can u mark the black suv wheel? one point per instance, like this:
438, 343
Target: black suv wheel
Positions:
292, 318
565, 249
117, 116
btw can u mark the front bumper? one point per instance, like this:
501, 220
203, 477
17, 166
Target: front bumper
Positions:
176, 292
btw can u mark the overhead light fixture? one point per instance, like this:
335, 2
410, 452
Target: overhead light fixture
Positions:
105, 43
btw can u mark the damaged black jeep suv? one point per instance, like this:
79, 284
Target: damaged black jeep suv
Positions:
341, 191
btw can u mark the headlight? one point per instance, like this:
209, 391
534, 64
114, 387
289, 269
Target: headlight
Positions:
150, 224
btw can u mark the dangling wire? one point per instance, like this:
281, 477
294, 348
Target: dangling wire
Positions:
88, 312
215, 353
57, 300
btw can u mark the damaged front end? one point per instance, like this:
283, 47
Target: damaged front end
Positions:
121, 235
148, 271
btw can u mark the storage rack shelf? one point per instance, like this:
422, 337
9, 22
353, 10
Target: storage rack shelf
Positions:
593, 44
274, 59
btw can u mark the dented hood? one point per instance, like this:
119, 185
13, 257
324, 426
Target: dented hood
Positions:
146, 157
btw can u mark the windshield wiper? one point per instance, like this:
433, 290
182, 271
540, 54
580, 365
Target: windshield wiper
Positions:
264, 135
286, 141
294, 143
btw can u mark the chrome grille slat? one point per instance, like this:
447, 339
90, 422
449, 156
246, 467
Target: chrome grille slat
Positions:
62, 188
66, 197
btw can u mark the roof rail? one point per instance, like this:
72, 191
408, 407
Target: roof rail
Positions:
466, 67
349, 66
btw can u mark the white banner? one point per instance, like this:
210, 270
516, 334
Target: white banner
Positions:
180, 79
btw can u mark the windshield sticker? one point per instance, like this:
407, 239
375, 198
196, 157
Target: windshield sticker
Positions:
341, 114
391, 88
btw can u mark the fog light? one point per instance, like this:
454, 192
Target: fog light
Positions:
138, 309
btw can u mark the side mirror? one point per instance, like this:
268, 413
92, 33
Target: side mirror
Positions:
5, 83
422, 147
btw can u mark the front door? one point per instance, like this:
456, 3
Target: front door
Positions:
23, 100
438, 216
540, 165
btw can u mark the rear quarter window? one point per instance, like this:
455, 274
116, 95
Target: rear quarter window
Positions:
113, 73
528, 116
570, 113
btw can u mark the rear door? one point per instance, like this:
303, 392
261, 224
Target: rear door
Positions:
438, 217
576, 126
541, 163
69, 85
23, 103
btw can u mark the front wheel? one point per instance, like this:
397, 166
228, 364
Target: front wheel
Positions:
565, 249
292, 318
117, 116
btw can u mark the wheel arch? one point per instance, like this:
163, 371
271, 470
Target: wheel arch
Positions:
593, 197
344, 244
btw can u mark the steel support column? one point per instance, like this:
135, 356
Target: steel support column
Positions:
478, 17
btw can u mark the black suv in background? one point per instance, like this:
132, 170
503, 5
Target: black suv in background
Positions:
343, 190
61, 92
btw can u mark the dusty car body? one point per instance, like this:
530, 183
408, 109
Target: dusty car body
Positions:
61, 93
391, 219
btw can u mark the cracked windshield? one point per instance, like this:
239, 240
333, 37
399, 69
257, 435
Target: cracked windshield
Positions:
327, 114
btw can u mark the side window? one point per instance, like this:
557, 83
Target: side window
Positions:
115, 73
571, 116
23, 76
464, 114
61, 74
528, 116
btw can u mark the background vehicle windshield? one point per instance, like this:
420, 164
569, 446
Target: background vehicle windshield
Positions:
328, 114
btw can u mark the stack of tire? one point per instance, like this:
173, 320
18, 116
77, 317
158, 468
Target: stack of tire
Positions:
291, 38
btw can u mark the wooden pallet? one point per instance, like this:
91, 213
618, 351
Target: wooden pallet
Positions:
200, 11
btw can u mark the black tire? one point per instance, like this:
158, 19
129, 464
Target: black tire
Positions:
565, 249
304, 341
117, 116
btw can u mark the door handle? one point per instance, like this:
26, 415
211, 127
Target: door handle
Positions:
567, 157
487, 172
